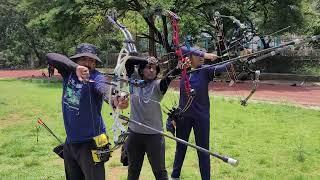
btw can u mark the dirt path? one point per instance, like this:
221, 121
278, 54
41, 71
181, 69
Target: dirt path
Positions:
23, 73
306, 95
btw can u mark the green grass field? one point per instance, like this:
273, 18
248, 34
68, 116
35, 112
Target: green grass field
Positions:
271, 141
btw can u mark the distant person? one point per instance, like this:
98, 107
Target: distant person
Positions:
50, 70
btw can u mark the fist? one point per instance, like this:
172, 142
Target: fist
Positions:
174, 124
245, 52
210, 56
184, 64
121, 101
82, 73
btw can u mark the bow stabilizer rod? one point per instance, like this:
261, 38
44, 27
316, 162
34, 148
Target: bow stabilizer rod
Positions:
225, 159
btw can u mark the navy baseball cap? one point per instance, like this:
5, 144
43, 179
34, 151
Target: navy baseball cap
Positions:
86, 50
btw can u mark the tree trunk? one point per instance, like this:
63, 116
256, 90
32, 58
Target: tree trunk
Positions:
152, 45
28, 58
33, 46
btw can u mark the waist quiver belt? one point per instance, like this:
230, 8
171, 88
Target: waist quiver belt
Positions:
101, 152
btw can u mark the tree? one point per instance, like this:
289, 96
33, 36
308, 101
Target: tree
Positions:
16, 36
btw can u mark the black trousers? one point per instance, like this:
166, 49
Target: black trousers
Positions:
151, 144
201, 128
79, 164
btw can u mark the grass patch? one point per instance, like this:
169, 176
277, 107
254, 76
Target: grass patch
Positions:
271, 141
308, 69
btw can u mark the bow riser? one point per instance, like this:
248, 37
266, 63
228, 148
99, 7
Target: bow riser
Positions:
117, 85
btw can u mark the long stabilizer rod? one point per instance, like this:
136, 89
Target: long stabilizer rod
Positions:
226, 159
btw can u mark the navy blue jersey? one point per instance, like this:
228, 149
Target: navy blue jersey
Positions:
81, 107
81, 102
199, 81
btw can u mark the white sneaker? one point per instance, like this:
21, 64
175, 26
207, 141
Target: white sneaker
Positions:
174, 178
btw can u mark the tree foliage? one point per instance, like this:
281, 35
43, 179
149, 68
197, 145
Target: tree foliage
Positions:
31, 28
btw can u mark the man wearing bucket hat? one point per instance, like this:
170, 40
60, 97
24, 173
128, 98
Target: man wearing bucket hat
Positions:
84, 90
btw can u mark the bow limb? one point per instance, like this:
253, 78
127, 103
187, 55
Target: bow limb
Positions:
234, 20
222, 49
244, 101
129, 46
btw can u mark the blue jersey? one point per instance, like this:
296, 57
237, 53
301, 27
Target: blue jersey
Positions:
199, 81
81, 102
81, 107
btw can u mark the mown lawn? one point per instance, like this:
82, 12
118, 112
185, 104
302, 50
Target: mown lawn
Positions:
271, 141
